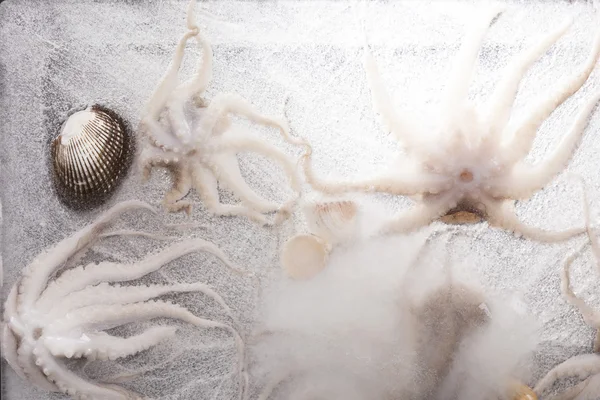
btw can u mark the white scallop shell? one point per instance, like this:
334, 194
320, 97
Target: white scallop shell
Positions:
304, 256
90, 154
333, 220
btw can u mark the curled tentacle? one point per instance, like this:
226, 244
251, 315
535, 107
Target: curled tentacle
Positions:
162, 95
151, 127
198, 83
239, 140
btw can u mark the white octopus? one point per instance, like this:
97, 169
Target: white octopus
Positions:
475, 161
45, 322
585, 367
198, 143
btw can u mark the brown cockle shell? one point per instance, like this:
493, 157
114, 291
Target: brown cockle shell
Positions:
90, 155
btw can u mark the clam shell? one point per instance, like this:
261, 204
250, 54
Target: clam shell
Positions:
334, 220
90, 155
304, 256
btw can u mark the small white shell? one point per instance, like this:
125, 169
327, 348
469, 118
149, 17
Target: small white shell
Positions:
334, 220
90, 155
304, 256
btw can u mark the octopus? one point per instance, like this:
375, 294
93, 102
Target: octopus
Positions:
585, 367
47, 321
474, 160
196, 140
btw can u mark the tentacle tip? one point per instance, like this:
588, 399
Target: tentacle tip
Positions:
191, 20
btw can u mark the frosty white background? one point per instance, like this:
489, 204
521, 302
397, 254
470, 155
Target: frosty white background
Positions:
55, 56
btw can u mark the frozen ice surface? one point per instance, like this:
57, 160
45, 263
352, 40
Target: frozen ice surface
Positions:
60, 55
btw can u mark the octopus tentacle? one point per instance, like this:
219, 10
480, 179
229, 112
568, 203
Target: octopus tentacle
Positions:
225, 103
206, 185
182, 181
160, 137
164, 96
407, 185
17, 347
10, 338
414, 218
129, 232
168, 82
501, 213
175, 114
573, 392
10, 305
73, 385
107, 294
30, 367
581, 366
238, 139
523, 135
92, 274
106, 317
590, 316
152, 157
230, 174
586, 390
183, 92
198, 83
455, 94
403, 128
35, 275
103, 346
182, 184
499, 106
525, 179
10, 346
